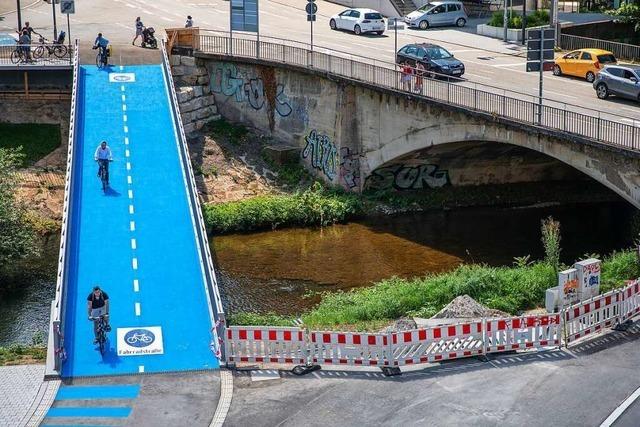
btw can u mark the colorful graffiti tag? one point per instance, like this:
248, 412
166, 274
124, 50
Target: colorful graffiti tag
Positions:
407, 177
349, 168
226, 80
322, 153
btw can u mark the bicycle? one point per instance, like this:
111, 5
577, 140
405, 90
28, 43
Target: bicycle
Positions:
21, 54
143, 338
101, 334
55, 49
103, 172
102, 58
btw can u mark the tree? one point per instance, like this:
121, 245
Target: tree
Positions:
17, 237
628, 13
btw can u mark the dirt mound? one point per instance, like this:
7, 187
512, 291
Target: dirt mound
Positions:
465, 306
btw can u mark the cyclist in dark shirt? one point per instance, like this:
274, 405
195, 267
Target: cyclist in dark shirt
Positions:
98, 305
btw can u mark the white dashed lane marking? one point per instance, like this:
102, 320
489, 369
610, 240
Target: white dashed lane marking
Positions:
132, 226
128, 166
124, 118
126, 140
134, 262
137, 309
129, 179
136, 285
124, 106
130, 194
131, 209
126, 129
126, 153
141, 369
133, 243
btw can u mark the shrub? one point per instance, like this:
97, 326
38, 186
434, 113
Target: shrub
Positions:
535, 19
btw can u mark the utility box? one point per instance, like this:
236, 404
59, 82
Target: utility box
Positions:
588, 278
552, 300
568, 287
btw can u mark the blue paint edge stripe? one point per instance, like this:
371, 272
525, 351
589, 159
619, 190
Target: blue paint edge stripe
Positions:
98, 392
89, 412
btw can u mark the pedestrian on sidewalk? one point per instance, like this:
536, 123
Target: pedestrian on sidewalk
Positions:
139, 28
189, 22
419, 71
407, 71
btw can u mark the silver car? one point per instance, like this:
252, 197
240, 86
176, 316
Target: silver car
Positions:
438, 13
619, 80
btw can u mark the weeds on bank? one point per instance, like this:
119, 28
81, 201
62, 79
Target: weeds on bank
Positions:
233, 133
36, 140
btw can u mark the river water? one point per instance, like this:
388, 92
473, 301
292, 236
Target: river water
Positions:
283, 270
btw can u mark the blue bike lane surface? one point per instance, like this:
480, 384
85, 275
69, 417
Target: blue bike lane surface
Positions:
137, 240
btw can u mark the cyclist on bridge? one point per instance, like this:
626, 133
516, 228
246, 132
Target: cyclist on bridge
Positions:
102, 44
103, 157
98, 305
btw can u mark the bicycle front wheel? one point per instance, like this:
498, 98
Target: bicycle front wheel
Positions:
60, 51
16, 56
98, 61
38, 52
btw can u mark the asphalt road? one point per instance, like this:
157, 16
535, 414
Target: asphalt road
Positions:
579, 387
488, 61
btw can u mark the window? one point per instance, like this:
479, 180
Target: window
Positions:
355, 14
572, 55
616, 72
628, 75
411, 50
586, 56
372, 16
453, 7
426, 7
421, 53
437, 52
607, 59
346, 13
440, 9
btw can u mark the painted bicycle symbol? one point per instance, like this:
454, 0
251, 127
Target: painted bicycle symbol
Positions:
139, 337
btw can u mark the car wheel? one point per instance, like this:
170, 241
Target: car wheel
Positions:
556, 70
424, 25
461, 22
379, 33
590, 77
602, 91
357, 30
332, 24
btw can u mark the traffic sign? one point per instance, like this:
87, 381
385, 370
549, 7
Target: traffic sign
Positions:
67, 6
311, 8
535, 66
549, 33
540, 53
311, 18
534, 55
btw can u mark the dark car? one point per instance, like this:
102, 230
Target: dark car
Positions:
434, 58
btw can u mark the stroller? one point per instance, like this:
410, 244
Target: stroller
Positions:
148, 38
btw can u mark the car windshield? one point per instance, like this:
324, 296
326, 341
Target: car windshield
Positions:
607, 59
426, 7
372, 16
437, 53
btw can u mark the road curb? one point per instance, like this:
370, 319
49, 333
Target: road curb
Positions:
226, 394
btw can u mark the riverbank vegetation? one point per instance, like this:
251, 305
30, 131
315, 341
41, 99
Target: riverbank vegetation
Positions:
36, 140
22, 354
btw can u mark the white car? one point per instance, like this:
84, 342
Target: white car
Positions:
359, 21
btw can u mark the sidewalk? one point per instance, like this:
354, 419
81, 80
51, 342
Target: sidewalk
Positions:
24, 396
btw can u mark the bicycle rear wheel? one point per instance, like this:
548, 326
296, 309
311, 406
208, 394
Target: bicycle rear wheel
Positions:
38, 52
60, 51
102, 341
16, 56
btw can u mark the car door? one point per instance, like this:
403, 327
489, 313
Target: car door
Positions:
613, 79
584, 65
411, 54
452, 14
401, 56
343, 18
438, 15
568, 66
353, 20
629, 86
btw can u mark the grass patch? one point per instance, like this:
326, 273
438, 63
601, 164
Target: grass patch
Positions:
315, 206
22, 354
511, 289
250, 319
36, 140
233, 133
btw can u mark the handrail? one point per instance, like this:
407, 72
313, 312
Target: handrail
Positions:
40, 54
56, 323
626, 51
448, 78
573, 119
216, 316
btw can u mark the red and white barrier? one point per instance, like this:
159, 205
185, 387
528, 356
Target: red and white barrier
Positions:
630, 304
521, 333
592, 315
262, 344
437, 343
350, 348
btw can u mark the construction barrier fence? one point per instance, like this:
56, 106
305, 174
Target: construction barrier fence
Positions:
264, 344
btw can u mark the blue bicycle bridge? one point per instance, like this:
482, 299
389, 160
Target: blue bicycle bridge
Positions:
142, 240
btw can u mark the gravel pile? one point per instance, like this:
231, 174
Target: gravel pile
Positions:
466, 307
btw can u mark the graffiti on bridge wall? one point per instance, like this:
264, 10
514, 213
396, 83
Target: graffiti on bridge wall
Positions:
227, 80
407, 177
349, 168
322, 153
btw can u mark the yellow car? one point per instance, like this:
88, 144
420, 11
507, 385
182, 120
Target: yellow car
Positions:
585, 63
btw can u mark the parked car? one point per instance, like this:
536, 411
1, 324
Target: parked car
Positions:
619, 80
359, 21
434, 58
585, 63
438, 13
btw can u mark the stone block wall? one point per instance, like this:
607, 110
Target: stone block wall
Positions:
197, 104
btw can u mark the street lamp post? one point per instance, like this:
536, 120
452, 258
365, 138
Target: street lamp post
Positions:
55, 29
19, 15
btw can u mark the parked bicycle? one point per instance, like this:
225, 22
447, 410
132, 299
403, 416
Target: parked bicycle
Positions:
59, 50
101, 332
21, 54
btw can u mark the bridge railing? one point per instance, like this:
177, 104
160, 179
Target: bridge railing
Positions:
629, 52
55, 349
45, 54
606, 128
214, 300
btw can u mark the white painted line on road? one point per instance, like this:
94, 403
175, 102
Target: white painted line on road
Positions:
138, 312
519, 64
477, 76
124, 117
136, 285
134, 245
134, 263
128, 179
124, 98
141, 369
124, 107
121, 68
126, 153
167, 19
130, 194
620, 409
126, 129
122, 88
132, 225
557, 93
126, 140
131, 209
128, 166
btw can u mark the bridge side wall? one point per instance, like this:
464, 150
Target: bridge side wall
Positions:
347, 131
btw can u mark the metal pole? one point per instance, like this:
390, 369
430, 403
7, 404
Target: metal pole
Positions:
258, 28
55, 28
504, 19
311, 21
541, 70
395, 45
68, 29
230, 29
19, 15
524, 22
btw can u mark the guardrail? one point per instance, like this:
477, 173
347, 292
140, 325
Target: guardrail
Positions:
263, 344
624, 51
55, 351
45, 54
590, 124
213, 293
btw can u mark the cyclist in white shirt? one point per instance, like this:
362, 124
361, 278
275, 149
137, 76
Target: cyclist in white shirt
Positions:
103, 157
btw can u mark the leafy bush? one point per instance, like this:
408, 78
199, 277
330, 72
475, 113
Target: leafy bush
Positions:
627, 13
314, 206
535, 19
